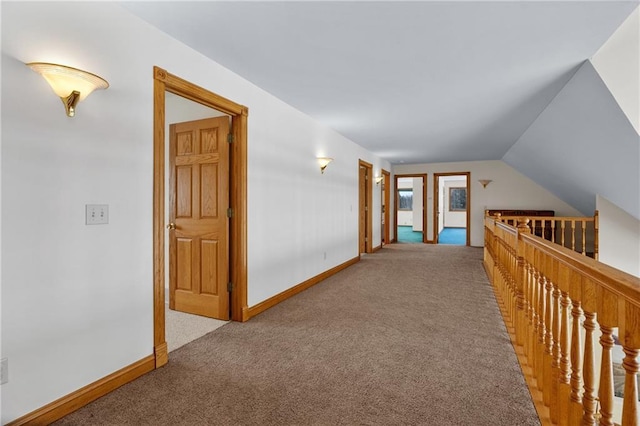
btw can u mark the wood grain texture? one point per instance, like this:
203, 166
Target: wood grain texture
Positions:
158, 212
564, 366
386, 215
166, 82
280, 297
75, 400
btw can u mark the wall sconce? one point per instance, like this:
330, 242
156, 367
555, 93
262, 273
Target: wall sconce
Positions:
379, 179
71, 84
485, 182
324, 162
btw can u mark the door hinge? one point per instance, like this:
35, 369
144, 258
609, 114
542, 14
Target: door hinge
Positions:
229, 287
229, 212
230, 138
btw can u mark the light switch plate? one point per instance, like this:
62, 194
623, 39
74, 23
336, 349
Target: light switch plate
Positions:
97, 214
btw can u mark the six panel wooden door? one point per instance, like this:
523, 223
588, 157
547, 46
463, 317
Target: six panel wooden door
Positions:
198, 203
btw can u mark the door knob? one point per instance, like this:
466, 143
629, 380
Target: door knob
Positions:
171, 226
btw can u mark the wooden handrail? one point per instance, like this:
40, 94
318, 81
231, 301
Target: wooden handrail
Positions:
562, 230
548, 294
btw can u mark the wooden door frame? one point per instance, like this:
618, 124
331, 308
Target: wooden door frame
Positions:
436, 203
386, 194
368, 235
166, 82
424, 203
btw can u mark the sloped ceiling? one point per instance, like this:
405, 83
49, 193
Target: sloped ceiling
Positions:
581, 146
413, 82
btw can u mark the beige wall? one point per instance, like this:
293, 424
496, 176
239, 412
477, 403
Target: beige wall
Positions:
509, 189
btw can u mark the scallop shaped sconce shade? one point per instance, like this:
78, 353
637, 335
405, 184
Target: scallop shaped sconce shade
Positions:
70, 84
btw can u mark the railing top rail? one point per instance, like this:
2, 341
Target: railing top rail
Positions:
556, 218
612, 279
506, 227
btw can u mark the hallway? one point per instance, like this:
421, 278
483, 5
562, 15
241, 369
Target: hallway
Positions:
408, 335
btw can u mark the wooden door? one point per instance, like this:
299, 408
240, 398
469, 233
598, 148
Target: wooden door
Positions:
363, 210
198, 203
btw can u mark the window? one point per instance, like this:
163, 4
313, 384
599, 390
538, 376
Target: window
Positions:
457, 199
405, 199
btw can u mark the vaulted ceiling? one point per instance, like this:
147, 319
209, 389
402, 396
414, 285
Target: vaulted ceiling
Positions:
413, 82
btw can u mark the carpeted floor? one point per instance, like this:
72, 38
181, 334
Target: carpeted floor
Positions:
410, 335
406, 234
182, 328
456, 236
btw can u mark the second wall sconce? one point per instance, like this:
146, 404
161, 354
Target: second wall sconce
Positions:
324, 162
485, 182
379, 179
71, 84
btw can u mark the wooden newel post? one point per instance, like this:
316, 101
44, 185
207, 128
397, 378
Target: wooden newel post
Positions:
521, 277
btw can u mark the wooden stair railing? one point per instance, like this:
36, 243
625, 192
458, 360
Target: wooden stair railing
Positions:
563, 311
577, 233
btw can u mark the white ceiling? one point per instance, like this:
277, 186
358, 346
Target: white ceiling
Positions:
412, 82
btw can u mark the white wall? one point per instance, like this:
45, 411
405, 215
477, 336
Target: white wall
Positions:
618, 237
405, 217
618, 63
582, 145
418, 199
453, 219
76, 299
509, 189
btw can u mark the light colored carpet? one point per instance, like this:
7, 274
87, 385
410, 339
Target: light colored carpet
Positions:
182, 328
410, 335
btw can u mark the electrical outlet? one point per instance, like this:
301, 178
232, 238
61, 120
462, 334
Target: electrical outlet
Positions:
97, 214
4, 370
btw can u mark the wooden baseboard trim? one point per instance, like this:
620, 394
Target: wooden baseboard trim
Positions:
280, 297
376, 248
78, 399
161, 353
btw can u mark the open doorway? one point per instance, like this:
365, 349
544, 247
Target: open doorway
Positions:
452, 207
410, 208
191, 130
386, 205
235, 192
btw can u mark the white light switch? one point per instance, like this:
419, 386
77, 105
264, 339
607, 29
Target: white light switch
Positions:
97, 214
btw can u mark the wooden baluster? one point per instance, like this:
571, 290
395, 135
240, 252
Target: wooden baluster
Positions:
555, 356
584, 238
605, 390
573, 235
564, 378
630, 404
531, 332
520, 275
589, 396
548, 343
542, 331
553, 230
596, 226
575, 407
562, 227
535, 306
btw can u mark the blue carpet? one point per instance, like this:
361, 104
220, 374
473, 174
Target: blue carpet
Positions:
457, 236
406, 234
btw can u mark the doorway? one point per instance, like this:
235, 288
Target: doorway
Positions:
411, 207
365, 195
452, 208
386, 205
165, 83
195, 303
